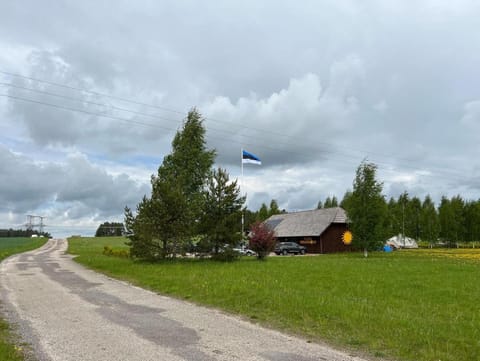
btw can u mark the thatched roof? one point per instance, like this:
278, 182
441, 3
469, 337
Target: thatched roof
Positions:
307, 223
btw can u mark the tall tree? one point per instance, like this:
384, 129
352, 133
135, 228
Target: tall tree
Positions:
334, 201
262, 213
274, 209
330, 202
366, 209
451, 215
189, 163
164, 221
220, 220
414, 208
346, 199
472, 221
429, 223
394, 218
402, 213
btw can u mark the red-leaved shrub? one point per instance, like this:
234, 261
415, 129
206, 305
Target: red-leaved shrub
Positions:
261, 239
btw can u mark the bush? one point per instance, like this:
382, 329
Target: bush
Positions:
226, 254
262, 239
109, 251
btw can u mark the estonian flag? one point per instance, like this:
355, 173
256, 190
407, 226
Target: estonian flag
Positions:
250, 158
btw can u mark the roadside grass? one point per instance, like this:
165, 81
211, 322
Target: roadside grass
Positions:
8, 247
405, 305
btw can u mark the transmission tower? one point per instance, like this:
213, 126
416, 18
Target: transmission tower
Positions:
30, 222
35, 221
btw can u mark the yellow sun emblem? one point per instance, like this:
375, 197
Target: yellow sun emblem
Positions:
347, 237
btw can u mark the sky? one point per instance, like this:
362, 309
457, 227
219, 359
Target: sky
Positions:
92, 93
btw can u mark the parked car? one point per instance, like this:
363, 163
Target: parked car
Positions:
245, 251
289, 247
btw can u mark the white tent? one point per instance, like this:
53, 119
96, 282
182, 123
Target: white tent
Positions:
400, 241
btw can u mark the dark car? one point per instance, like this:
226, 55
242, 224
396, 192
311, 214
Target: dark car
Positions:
289, 247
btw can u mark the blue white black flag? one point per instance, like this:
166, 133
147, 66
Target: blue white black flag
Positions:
250, 158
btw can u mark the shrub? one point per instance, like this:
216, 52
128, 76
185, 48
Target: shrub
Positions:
109, 251
261, 239
226, 254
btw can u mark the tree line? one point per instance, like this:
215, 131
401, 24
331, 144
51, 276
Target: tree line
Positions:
454, 220
263, 213
374, 219
4, 233
110, 229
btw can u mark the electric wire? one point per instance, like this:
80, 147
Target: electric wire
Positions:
351, 159
154, 116
263, 131
144, 124
309, 148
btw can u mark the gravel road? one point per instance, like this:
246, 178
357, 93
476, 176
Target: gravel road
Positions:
69, 313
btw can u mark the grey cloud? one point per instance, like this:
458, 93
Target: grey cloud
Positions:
117, 132
30, 186
25, 185
95, 189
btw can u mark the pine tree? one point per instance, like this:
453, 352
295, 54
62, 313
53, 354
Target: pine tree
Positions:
165, 221
220, 220
472, 222
429, 224
263, 213
334, 201
274, 209
331, 202
328, 203
452, 221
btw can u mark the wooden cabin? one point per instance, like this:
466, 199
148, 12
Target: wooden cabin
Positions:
320, 230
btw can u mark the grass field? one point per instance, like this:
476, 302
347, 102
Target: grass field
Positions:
9, 246
406, 305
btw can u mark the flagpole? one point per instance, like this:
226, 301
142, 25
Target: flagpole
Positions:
242, 186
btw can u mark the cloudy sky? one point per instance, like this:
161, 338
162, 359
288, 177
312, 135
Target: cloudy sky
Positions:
91, 93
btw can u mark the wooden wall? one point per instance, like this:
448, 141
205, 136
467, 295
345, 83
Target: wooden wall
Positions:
330, 240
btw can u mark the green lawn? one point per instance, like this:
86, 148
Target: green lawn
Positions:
406, 305
9, 246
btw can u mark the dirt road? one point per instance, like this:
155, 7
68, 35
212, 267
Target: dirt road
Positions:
69, 313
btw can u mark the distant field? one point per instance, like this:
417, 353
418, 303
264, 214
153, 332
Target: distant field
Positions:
8, 247
406, 305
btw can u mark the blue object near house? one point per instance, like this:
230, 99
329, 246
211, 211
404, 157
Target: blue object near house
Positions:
387, 248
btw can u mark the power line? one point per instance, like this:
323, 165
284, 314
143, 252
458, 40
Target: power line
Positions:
179, 112
128, 120
91, 92
154, 116
350, 158
263, 131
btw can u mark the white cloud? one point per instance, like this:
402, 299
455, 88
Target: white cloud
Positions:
288, 124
